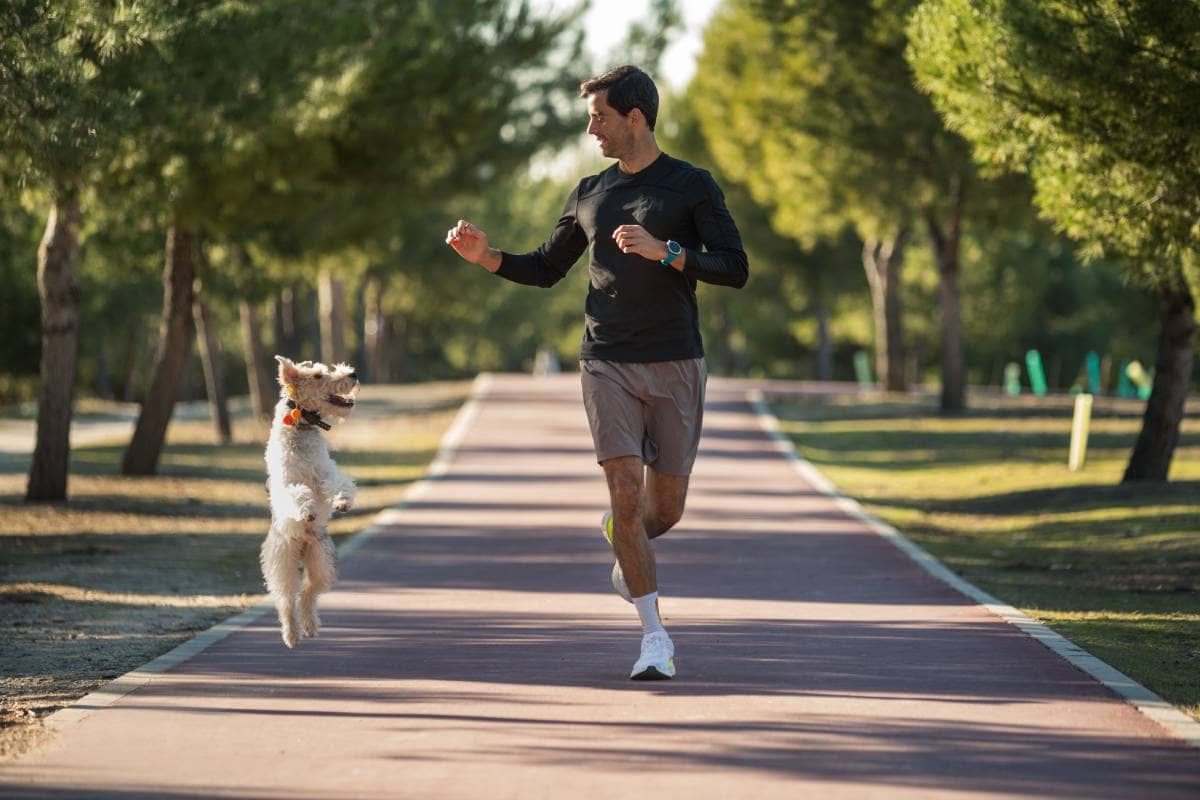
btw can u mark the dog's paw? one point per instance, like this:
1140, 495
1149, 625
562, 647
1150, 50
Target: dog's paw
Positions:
289, 637
310, 626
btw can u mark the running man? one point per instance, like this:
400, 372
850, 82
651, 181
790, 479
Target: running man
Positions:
655, 226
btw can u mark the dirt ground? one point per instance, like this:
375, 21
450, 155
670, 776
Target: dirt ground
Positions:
130, 568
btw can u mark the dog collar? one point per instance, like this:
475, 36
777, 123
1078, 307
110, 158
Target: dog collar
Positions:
298, 414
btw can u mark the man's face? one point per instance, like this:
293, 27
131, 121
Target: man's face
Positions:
612, 130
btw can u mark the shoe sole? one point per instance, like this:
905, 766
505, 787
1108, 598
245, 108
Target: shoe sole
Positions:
651, 674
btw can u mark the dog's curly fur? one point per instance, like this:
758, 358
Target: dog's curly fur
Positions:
305, 488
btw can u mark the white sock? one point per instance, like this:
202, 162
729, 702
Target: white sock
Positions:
647, 608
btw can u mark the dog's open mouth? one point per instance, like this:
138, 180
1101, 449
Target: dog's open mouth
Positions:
339, 400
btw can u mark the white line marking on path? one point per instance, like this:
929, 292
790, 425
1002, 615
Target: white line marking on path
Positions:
1141, 698
136, 678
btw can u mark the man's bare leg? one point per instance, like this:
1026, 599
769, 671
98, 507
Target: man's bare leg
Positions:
626, 491
665, 498
635, 559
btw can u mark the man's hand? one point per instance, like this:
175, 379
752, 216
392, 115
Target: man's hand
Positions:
472, 244
634, 239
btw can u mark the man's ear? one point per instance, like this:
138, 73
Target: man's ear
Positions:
288, 371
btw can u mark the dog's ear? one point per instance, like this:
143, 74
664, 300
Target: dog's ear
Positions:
287, 370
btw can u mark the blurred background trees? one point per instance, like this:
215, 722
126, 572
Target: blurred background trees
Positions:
1099, 103
290, 168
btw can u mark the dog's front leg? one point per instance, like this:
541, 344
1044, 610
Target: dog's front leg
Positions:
343, 491
304, 502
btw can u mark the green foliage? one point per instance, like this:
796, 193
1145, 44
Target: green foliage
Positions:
20, 324
120, 301
439, 99
299, 135
814, 107
461, 319
434, 106
1098, 101
649, 39
1027, 289
295, 135
56, 113
768, 327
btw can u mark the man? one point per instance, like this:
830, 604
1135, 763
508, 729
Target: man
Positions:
642, 362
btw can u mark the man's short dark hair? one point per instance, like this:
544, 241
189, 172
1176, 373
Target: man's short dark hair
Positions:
628, 88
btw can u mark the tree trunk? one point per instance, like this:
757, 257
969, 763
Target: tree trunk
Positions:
308, 321
360, 325
1151, 457
60, 348
946, 249
824, 343
819, 307
284, 323
171, 359
882, 261
214, 378
331, 294
258, 376
383, 335
372, 333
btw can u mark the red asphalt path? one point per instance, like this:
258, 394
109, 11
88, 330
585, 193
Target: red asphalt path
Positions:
474, 649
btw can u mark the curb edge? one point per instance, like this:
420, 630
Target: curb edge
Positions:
113, 691
1147, 702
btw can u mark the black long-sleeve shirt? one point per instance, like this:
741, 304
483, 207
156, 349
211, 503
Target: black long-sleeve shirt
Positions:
638, 309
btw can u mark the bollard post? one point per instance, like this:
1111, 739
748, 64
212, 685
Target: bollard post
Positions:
1143, 381
1125, 387
862, 369
1093, 373
1012, 379
1037, 375
1079, 432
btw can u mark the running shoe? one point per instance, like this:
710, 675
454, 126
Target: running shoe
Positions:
618, 583
618, 577
658, 658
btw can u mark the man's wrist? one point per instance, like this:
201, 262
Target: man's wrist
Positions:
677, 264
672, 255
491, 259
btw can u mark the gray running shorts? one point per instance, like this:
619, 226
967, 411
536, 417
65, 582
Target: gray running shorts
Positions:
649, 410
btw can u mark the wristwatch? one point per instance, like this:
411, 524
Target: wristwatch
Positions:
674, 248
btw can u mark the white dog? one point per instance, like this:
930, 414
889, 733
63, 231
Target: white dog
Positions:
306, 487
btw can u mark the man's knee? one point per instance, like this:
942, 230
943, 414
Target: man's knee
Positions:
662, 520
672, 515
625, 484
665, 501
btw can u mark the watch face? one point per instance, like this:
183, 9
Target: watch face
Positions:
674, 247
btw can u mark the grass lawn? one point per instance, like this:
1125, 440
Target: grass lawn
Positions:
1114, 568
131, 567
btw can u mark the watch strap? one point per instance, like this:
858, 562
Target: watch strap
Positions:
672, 252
